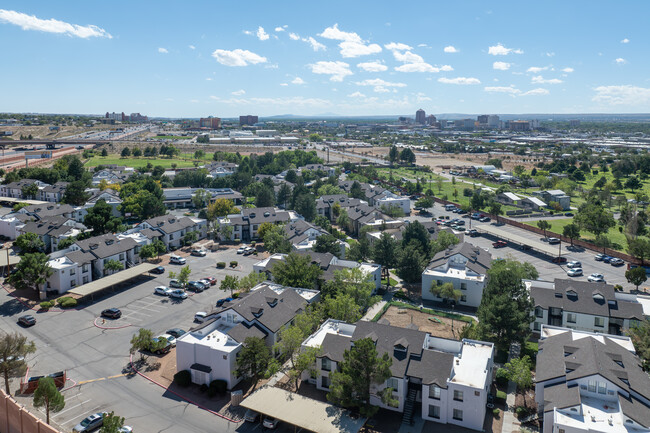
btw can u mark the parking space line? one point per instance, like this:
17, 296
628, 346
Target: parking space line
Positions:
70, 408
83, 415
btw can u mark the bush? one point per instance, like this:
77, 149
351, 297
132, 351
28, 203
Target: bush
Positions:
501, 395
46, 305
618, 288
221, 265
234, 264
235, 295
400, 295
496, 412
522, 411
203, 387
502, 377
237, 240
69, 303
253, 243
183, 378
220, 386
62, 299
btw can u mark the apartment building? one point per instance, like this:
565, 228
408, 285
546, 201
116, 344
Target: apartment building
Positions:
70, 269
52, 193
15, 189
246, 223
303, 236
588, 382
451, 379
109, 247
174, 228
52, 230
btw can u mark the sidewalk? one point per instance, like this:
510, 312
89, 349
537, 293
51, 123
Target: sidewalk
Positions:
510, 422
372, 311
418, 425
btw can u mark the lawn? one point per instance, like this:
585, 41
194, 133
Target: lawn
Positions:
138, 162
557, 226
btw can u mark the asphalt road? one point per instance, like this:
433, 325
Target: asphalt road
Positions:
97, 359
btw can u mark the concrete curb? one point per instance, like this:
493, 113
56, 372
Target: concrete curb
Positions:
109, 327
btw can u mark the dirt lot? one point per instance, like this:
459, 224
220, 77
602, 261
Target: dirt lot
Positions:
435, 325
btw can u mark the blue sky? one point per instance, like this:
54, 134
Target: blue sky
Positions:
189, 59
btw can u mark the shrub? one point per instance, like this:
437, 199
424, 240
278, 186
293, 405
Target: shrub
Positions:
46, 305
183, 378
502, 377
234, 264
69, 303
618, 288
62, 299
496, 412
522, 411
203, 387
219, 385
253, 243
237, 240
221, 265
501, 395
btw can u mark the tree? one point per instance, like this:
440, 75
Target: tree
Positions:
639, 248
284, 195
393, 155
593, 218
424, 203
199, 154
275, 239
141, 341
327, 244
148, 251
495, 209
571, 231
229, 282
184, 275
359, 250
201, 198
75, 193
600, 183
126, 152
407, 156
384, 253
220, 208
190, 238
443, 241
31, 272
446, 291
505, 311
416, 233
101, 220
636, 276
113, 266
343, 220
29, 191
342, 307
352, 282
48, 396
633, 183
254, 359
361, 368
411, 263
225, 231
640, 336
544, 225
356, 191
322, 222
296, 270
13, 350
104, 152
305, 360
518, 371
439, 184
306, 206
29, 243
112, 423
251, 280
265, 197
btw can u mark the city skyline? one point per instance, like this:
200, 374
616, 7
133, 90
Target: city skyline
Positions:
346, 59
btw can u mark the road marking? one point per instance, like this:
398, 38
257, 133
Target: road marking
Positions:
83, 382
83, 415
70, 408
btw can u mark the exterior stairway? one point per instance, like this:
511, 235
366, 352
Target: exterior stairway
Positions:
409, 406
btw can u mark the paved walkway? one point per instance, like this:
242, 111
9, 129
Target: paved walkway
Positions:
372, 311
418, 425
510, 422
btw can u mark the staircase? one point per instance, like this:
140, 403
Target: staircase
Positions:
129, 264
409, 406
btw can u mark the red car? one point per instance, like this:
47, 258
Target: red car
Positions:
212, 280
499, 244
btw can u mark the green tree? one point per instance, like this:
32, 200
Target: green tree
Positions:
362, 367
593, 218
48, 396
254, 359
424, 203
305, 360
385, 254
126, 152
251, 280
359, 250
355, 283
143, 205
229, 282
199, 154
190, 238
544, 225
104, 152
184, 275
113, 266
356, 191
225, 232
495, 209
275, 240
296, 270
342, 307
446, 291
284, 195
407, 156
633, 183
112, 423
13, 350
636, 276
415, 233
640, 336
220, 208
443, 241
201, 198
141, 341
306, 206
639, 248
29, 191
265, 197
148, 252
343, 220
101, 220
137, 152
600, 183
505, 311
411, 263
571, 231
31, 272
29, 243
327, 244
75, 193
518, 370
393, 155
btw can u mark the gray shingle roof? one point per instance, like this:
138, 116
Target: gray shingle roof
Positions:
334, 346
106, 245
170, 223
560, 396
289, 303
48, 210
478, 261
242, 331
434, 368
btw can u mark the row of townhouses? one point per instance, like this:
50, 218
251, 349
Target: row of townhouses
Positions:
246, 223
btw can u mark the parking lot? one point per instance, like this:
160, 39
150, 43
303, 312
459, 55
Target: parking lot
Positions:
97, 359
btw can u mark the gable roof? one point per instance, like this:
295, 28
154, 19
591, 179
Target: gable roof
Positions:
106, 245
255, 306
170, 223
478, 260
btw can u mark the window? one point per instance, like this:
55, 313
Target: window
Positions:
392, 383
326, 364
592, 386
325, 382
537, 326
122, 256
599, 322
477, 393
561, 430
570, 317
539, 312
434, 411
458, 395
458, 414
463, 298
73, 271
84, 268
73, 283
602, 388
463, 286
85, 280
434, 392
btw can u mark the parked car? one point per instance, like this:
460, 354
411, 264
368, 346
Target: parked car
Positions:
559, 260
574, 272
249, 251
220, 302
474, 233
195, 286
607, 259
158, 270
198, 253
212, 280
112, 313
270, 422
251, 415
499, 244
177, 260
574, 264
554, 241
596, 278
200, 316
242, 249
175, 332
125, 429
206, 283
162, 290
90, 423
485, 219
178, 294
616, 262
569, 214
170, 338
600, 257
27, 320
175, 283
162, 350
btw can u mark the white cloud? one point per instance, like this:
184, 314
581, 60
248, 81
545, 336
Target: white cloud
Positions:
535, 92
421, 97
500, 50
536, 69
298, 80
31, 22
501, 66
248, 32
550, 54
538, 79
237, 57
379, 82
567, 70
294, 36
356, 95
191, 47
315, 45
296, 101
625, 41
279, 29
407, 57
208, 79
502, 89
418, 67
459, 80
623, 95
397, 46
163, 50
239, 92
450, 49
380, 89
356, 49
372, 66
337, 70
339, 35
621, 61
446, 68
261, 34
284, 84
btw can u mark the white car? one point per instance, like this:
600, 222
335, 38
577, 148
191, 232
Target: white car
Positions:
596, 278
126, 429
175, 283
270, 422
242, 249
574, 264
575, 272
178, 294
200, 316
162, 290
206, 283
170, 339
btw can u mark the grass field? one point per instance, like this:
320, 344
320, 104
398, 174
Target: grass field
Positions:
138, 162
613, 235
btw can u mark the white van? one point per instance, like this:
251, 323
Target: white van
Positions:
177, 260
449, 207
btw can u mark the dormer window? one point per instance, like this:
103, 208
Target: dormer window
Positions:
257, 312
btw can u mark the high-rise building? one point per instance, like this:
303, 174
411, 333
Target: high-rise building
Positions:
116, 116
210, 122
482, 119
574, 123
248, 120
493, 121
420, 117
431, 120
519, 125
137, 117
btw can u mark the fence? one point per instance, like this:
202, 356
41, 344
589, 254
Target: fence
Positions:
14, 418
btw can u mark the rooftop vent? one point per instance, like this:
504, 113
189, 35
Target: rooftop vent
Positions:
252, 215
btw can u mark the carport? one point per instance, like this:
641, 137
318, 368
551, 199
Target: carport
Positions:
22, 200
302, 412
551, 250
111, 280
